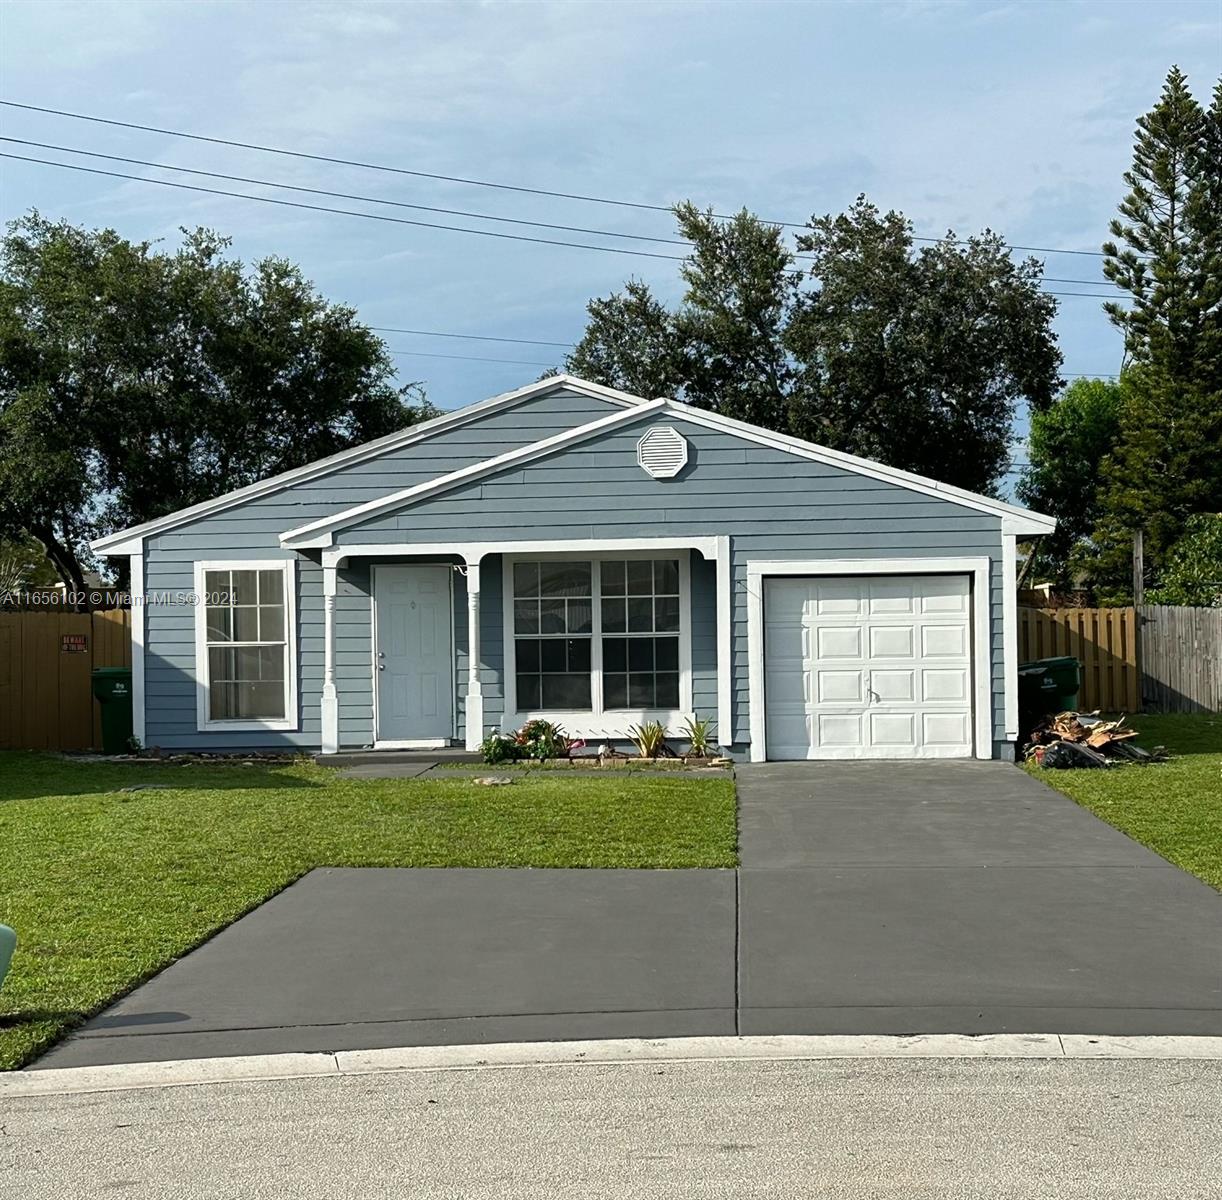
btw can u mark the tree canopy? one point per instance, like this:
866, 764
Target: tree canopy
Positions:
135, 381
852, 338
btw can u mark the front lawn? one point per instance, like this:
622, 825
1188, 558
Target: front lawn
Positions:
1175, 808
107, 887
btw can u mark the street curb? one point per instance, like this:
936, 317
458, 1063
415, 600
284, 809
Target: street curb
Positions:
258, 1067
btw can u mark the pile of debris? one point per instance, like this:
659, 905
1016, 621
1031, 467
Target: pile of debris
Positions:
1076, 739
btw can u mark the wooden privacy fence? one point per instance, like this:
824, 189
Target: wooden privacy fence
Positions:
46, 697
1181, 658
1103, 640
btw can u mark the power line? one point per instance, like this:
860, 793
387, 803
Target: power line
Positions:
520, 362
294, 187
474, 337
486, 183
344, 212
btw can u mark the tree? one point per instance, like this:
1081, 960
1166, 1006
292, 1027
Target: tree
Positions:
1167, 255
1068, 444
136, 381
867, 345
1193, 572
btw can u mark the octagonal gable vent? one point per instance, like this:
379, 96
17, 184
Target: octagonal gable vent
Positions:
662, 452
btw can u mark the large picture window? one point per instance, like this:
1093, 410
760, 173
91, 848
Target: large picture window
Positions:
245, 651
597, 636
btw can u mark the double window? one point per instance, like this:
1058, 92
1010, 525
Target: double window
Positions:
244, 652
598, 635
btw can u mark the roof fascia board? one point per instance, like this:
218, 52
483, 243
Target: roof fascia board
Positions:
321, 533
1031, 522
120, 541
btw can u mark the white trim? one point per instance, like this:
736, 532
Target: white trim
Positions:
429, 743
329, 701
978, 569
291, 719
598, 722
725, 645
138, 626
1030, 522
473, 552
1009, 631
121, 541
474, 710
320, 533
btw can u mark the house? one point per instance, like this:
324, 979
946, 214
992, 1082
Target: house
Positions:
571, 551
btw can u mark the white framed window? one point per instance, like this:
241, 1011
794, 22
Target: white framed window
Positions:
246, 644
598, 642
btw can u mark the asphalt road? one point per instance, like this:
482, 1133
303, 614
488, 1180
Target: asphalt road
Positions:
947, 1129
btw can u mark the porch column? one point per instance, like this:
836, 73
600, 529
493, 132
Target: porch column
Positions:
475, 695
330, 698
725, 646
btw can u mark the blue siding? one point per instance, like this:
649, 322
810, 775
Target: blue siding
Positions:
771, 505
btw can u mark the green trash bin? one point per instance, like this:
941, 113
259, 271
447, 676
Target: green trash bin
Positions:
1050, 684
8, 943
112, 688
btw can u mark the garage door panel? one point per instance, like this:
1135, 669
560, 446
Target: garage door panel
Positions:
872, 667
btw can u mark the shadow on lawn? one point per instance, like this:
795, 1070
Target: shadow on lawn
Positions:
35, 776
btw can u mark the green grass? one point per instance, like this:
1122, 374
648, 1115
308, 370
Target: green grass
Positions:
105, 888
1175, 808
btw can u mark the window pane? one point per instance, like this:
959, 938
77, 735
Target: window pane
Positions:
615, 691
640, 691
640, 615
527, 654
564, 579
551, 616
640, 577
666, 577
245, 587
261, 701
221, 666
271, 587
640, 654
525, 579
216, 584
526, 616
529, 695
615, 618
271, 623
219, 626
222, 701
271, 664
580, 615
666, 614
579, 654
566, 692
552, 656
666, 653
667, 689
245, 624
615, 654
612, 577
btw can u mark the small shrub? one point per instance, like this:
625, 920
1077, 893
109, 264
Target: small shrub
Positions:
500, 748
700, 735
649, 738
541, 739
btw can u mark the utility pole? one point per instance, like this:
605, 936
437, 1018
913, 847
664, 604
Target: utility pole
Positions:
1139, 569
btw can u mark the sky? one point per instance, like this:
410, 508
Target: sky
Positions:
1013, 116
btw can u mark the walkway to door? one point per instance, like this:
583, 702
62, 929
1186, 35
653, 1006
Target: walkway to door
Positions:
873, 898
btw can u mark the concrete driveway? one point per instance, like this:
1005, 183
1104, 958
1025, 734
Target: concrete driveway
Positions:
872, 898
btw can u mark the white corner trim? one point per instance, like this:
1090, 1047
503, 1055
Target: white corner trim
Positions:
121, 542
978, 569
329, 700
318, 533
1009, 630
291, 720
725, 645
1030, 522
137, 633
475, 692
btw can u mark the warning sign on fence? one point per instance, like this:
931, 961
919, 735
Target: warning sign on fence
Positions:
74, 643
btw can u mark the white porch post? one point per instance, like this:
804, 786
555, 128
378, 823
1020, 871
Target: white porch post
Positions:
475, 696
725, 645
330, 698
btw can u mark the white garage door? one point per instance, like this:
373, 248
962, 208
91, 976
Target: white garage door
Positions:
868, 667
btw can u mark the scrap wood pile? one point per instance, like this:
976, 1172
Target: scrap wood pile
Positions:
1073, 739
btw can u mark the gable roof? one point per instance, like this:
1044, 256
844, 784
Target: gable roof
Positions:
127, 541
1015, 519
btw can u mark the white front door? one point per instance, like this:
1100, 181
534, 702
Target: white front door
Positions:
868, 667
413, 653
